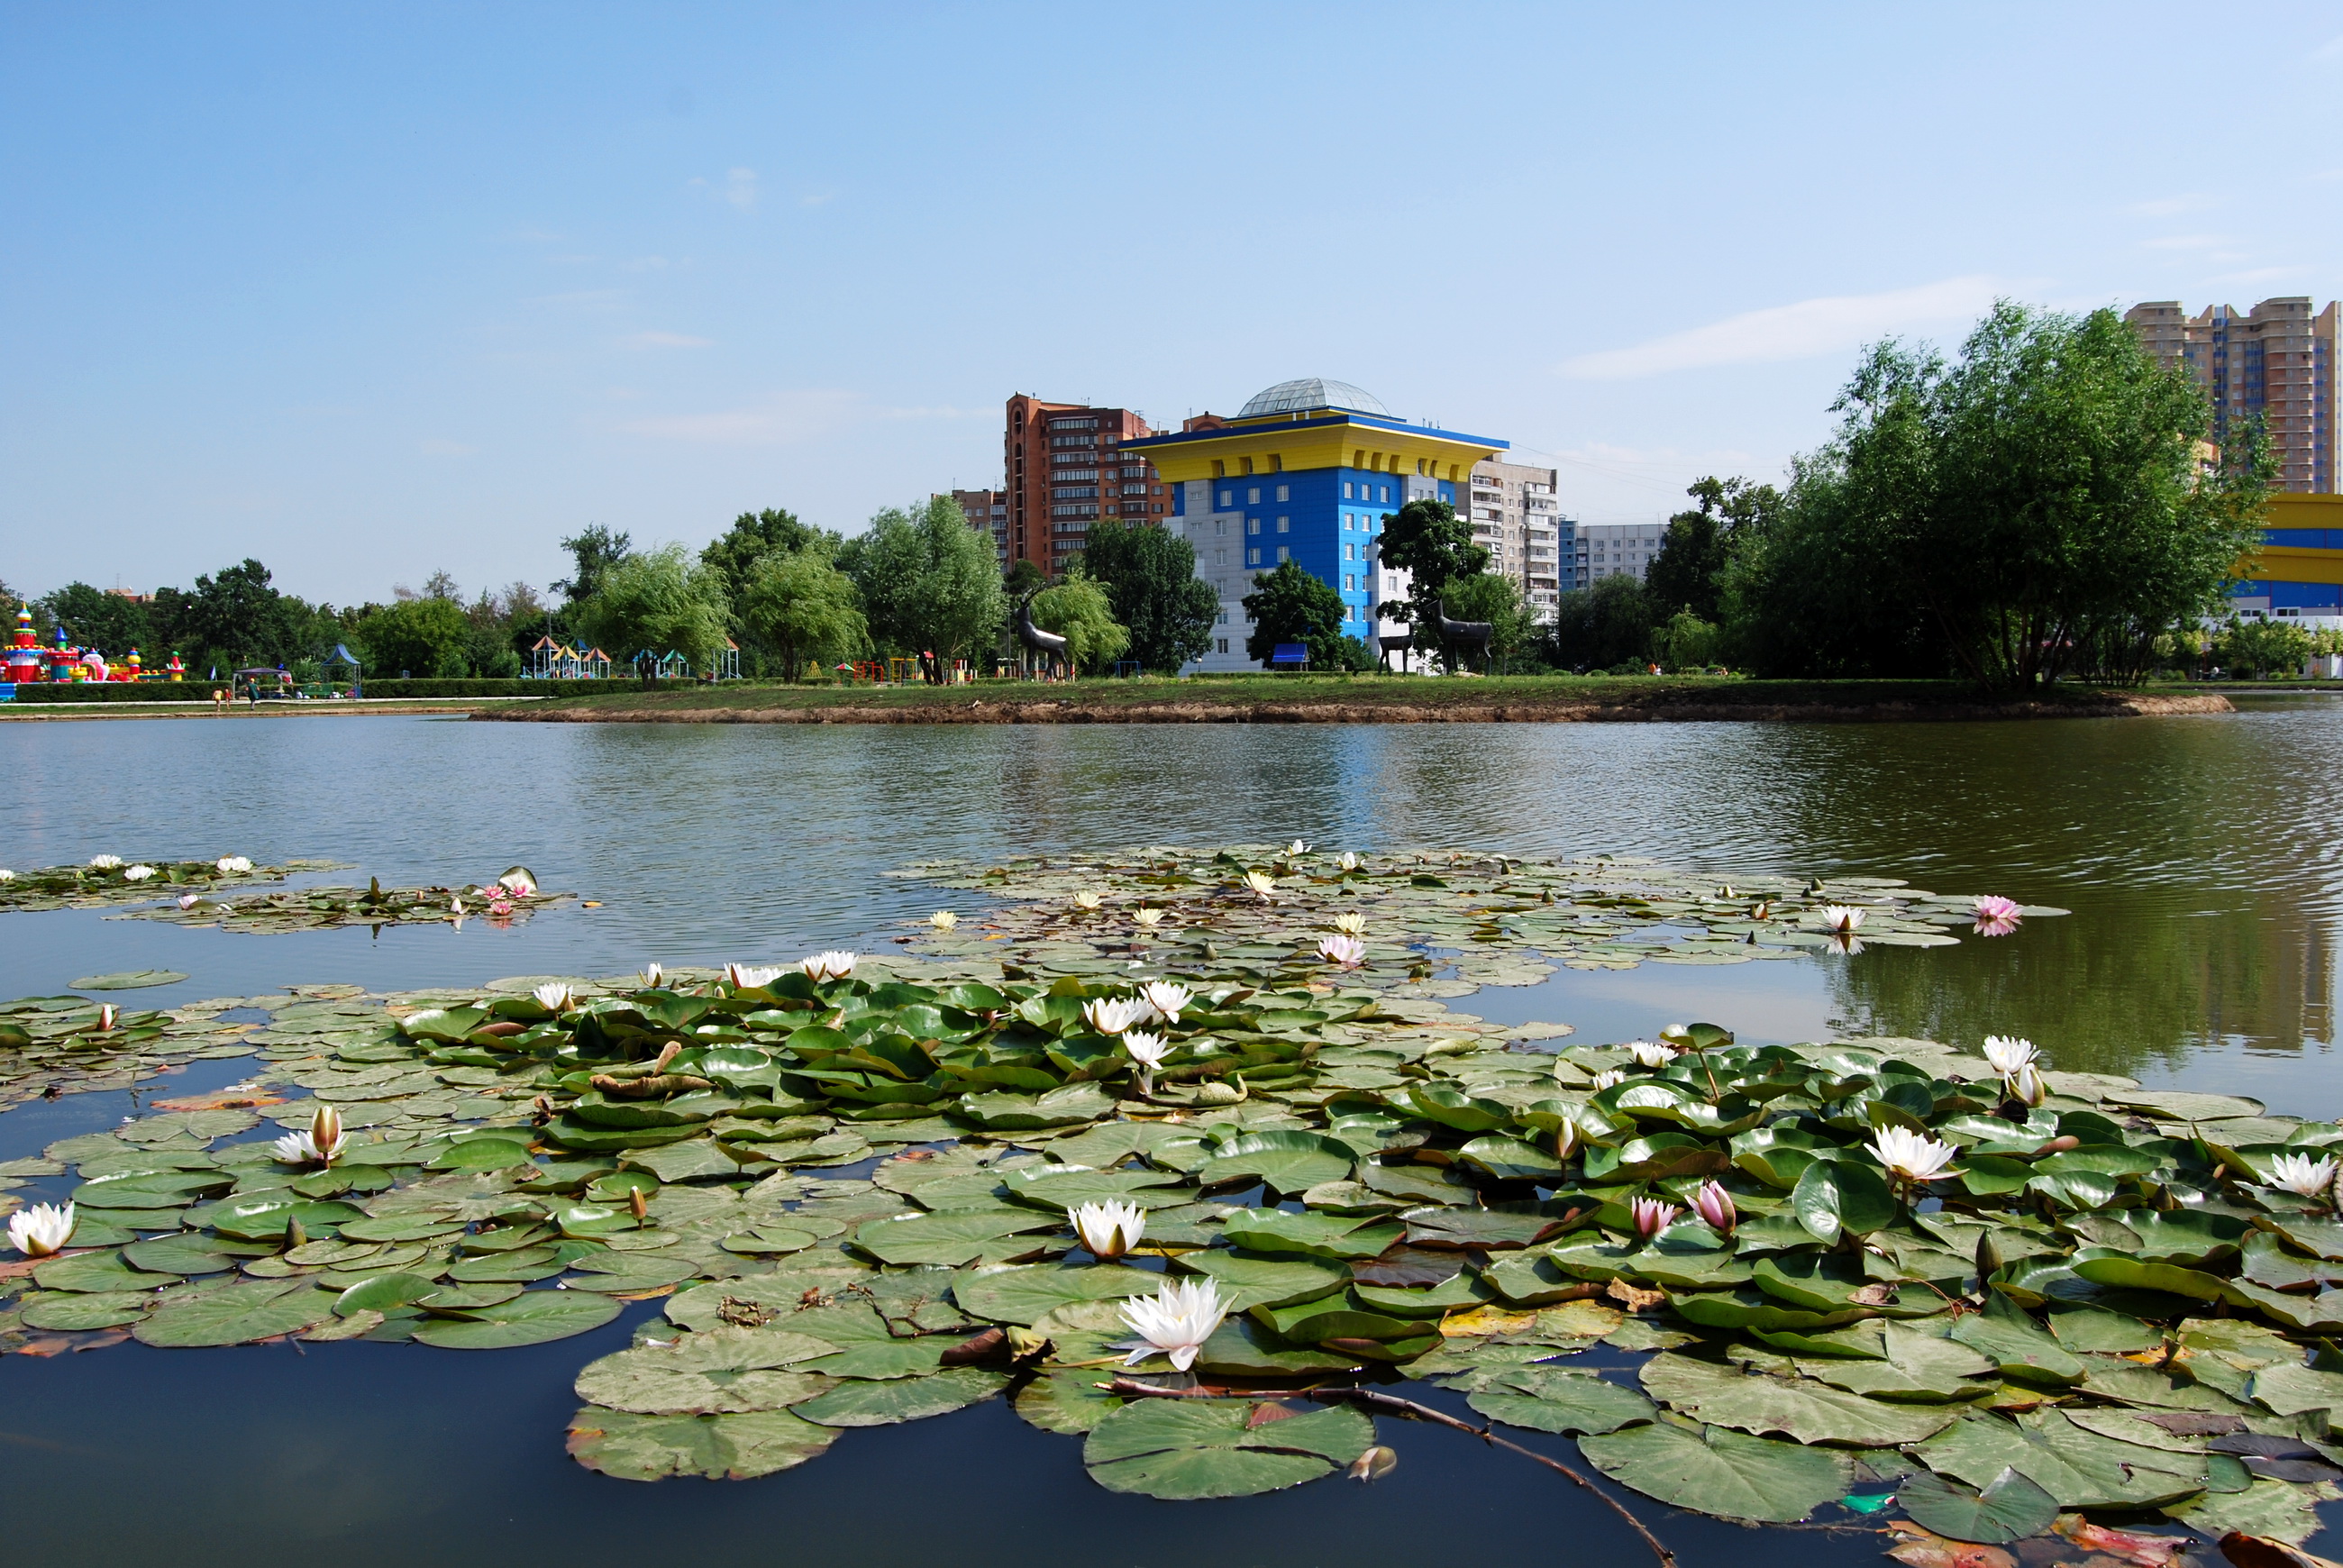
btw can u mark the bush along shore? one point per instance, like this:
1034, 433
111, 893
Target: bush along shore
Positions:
1356, 700
1182, 1153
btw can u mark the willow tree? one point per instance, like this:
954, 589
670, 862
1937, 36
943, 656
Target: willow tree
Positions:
930, 584
799, 605
1076, 608
661, 601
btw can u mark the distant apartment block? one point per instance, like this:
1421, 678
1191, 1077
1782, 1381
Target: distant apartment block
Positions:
987, 512
1518, 520
1616, 550
2278, 361
1066, 470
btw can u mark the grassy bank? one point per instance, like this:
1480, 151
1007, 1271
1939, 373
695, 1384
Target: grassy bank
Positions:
1356, 700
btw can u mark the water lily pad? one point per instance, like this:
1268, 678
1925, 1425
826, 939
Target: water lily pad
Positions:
1068, 1401
2009, 1509
1182, 1449
1552, 1399
235, 1315
1723, 1395
531, 1318
635, 1447
722, 1370
67, 1312
129, 980
1287, 1162
1021, 1294
1713, 1470
953, 1238
1249, 1283
861, 1403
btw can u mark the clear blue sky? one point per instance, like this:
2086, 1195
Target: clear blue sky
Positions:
366, 290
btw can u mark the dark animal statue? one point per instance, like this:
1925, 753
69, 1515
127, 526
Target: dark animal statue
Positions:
1048, 644
1461, 634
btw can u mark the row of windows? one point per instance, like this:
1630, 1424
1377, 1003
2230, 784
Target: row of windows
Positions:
1073, 424
1252, 494
1383, 492
1073, 440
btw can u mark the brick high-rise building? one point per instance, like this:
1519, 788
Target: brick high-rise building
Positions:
2278, 360
1065, 472
987, 512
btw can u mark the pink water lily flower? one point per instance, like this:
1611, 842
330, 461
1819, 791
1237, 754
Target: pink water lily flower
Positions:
1652, 1216
1714, 1205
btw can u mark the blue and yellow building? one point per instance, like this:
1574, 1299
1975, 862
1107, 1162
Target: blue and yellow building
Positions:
1308, 471
2299, 573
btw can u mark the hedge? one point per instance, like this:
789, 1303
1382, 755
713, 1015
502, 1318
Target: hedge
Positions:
201, 690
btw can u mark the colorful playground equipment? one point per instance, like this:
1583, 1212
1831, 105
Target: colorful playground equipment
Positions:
28, 664
551, 661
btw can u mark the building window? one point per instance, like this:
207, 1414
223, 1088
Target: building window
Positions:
1228, 498
1253, 557
1224, 618
1220, 558
1286, 525
1252, 496
1346, 489
1350, 552
1224, 641
1282, 492
1221, 526
1383, 492
1253, 524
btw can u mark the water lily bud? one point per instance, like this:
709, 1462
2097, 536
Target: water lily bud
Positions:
1714, 1205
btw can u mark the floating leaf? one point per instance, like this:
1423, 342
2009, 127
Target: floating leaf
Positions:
235, 1315
859, 1403
129, 980
1182, 1448
2009, 1509
1552, 1399
531, 1318
1712, 1469
718, 1447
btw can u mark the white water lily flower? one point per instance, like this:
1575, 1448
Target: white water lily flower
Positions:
1167, 998
1089, 899
138, 873
1912, 1156
231, 865
833, 965
555, 996
1113, 1014
1609, 1078
2007, 1053
1297, 848
1176, 1321
1566, 1139
1349, 862
1146, 1053
1260, 883
320, 1145
1110, 1230
7, 876
1843, 918
2301, 1175
41, 1230
519, 880
1650, 1052
944, 920
1350, 925
2026, 1085
755, 976
189, 900
1147, 918
1343, 953
105, 862
652, 975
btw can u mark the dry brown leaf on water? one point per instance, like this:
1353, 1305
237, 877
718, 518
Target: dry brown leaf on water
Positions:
2261, 1551
1633, 1299
2129, 1546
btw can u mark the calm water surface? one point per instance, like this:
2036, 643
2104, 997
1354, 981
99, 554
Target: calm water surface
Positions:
2199, 856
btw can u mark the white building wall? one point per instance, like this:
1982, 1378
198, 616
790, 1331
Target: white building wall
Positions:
1218, 543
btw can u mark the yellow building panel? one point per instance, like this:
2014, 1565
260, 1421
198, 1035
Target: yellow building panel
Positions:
1274, 447
2298, 563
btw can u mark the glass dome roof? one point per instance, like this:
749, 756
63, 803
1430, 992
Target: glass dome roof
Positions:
1296, 396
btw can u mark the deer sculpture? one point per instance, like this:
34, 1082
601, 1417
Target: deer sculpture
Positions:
1461, 634
1050, 645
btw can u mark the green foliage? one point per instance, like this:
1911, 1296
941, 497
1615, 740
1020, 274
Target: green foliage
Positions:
94, 618
2034, 509
1078, 610
930, 584
1600, 627
419, 637
1485, 595
752, 536
797, 603
1289, 605
1427, 539
1686, 642
1689, 570
1150, 582
664, 600
595, 549
2261, 648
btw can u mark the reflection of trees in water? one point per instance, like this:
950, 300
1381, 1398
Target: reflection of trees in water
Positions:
2104, 993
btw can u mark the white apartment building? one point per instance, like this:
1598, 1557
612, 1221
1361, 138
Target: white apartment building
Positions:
1517, 518
1616, 550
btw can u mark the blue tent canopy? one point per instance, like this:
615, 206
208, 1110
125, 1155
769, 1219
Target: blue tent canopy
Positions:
341, 655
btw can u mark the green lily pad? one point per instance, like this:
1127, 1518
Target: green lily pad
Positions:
1723, 1395
1250, 1282
722, 1370
129, 980
1553, 1399
635, 1447
1067, 1401
860, 1402
1286, 1161
531, 1318
2009, 1509
235, 1315
1022, 1294
1713, 1470
1182, 1449
65, 1312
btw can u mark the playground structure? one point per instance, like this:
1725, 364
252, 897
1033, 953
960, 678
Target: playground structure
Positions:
551, 661
29, 663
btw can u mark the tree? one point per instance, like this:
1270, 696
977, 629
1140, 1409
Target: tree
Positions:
799, 605
1602, 627
235, 618
1687, 571
1484, 596
417, 636
2262, 645
1150, 577
1686, 642
661, 601
2034, 509
595, 549
1077, 609
753, 535
94, 618
930, 584
1289, 605
1429, 541
1021, 574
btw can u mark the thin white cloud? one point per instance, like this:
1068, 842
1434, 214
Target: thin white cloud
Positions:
1800, 331
2171, 206
778, 420
817, 198
739, 187
666, 341
2186, 242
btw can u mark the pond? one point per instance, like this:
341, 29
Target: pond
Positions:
2197, 856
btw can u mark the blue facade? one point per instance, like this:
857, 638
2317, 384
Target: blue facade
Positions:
1322, 519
